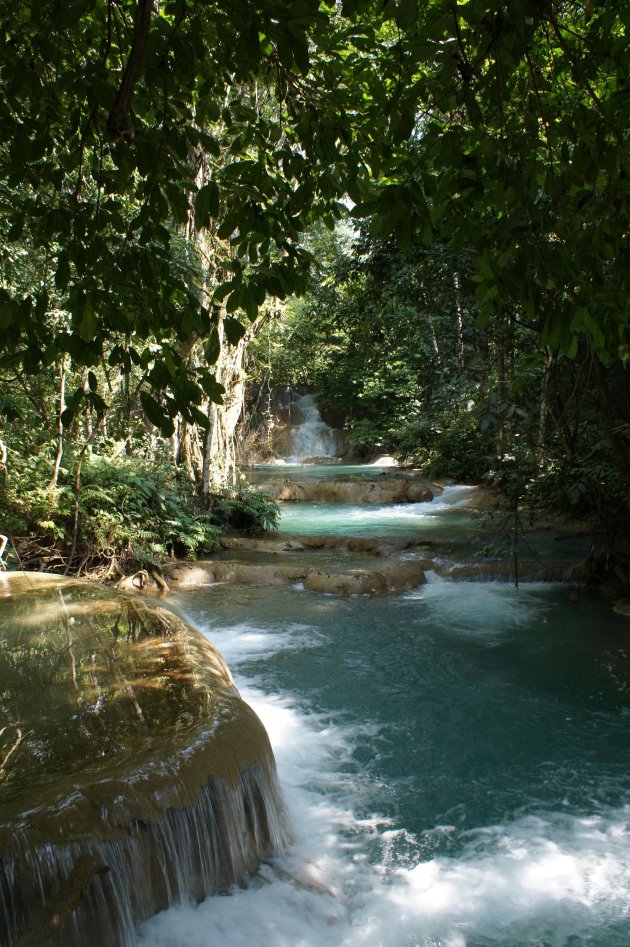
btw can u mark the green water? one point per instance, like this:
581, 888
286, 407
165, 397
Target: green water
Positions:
456, 759
446, 514
448, 522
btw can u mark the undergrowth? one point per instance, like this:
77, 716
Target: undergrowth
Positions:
133, 514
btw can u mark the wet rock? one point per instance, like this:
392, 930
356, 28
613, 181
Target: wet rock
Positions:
331, 564
395, 577
386, 490
353, 544
125, 745
551, 571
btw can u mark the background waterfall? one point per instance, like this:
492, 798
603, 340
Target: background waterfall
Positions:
294, 428
312, 437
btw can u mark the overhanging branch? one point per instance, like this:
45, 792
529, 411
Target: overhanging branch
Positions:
119, 122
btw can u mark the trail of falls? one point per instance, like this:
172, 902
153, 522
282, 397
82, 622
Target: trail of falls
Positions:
390, 519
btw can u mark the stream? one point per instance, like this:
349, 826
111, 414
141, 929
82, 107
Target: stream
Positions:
455, 759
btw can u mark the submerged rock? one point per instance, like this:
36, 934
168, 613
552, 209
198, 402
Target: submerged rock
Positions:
334, 565
127, 757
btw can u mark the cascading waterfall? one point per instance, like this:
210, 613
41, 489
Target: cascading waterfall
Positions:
312, 437
189, 853
134, 777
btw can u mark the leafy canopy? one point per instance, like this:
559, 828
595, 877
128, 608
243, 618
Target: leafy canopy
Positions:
504, 125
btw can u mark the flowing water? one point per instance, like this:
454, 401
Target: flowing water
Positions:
312, 437
391, 520
455, 760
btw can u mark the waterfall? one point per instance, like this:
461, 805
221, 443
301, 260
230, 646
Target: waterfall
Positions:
134, 775
312, 437
189, 853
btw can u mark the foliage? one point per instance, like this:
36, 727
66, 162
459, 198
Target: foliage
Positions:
501, 128
160, 165
131, 513
134, 122
521, 155
243, 508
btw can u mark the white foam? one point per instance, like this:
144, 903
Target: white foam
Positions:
551, 875
246, 641
385, 461
543, 877
540, 878
482, 608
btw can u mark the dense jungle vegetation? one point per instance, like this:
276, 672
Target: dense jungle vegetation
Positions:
419, 208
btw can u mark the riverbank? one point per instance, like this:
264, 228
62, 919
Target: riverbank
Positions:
374, 548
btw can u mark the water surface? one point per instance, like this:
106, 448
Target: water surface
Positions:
455, 759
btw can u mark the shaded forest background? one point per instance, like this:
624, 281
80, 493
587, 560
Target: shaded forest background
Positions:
419, 210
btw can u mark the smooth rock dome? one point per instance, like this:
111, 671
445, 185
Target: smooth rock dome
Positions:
125, 750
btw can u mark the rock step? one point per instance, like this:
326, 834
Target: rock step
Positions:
347, 491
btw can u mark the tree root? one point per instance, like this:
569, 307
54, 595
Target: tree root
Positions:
161, 582
47, 921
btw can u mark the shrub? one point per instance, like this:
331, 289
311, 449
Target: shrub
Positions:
246, 509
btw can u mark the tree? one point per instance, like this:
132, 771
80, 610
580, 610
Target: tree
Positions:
518, 117
504, 125
105, 106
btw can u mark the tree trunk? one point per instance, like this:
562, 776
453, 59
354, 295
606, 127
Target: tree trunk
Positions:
61, 407
544, 406
219, 461
459, 319
502, 392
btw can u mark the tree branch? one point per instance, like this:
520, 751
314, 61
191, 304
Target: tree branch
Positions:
49, 919
118, 121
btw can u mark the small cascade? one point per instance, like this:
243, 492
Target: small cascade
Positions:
206, 848
312, 437
134, 776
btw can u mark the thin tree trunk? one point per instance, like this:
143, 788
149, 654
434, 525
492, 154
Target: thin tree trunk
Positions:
77, 492
60, 431
544, 406
502, 392
460, 319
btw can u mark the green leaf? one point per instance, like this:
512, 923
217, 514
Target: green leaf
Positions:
87, 324
206, 205
198, 417
212, 348
72, 406
62, 275
156, 414
234, 330
212, 388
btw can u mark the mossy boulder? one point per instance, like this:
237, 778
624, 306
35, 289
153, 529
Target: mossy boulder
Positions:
124, 740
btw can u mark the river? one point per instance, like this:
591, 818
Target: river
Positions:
455, 761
